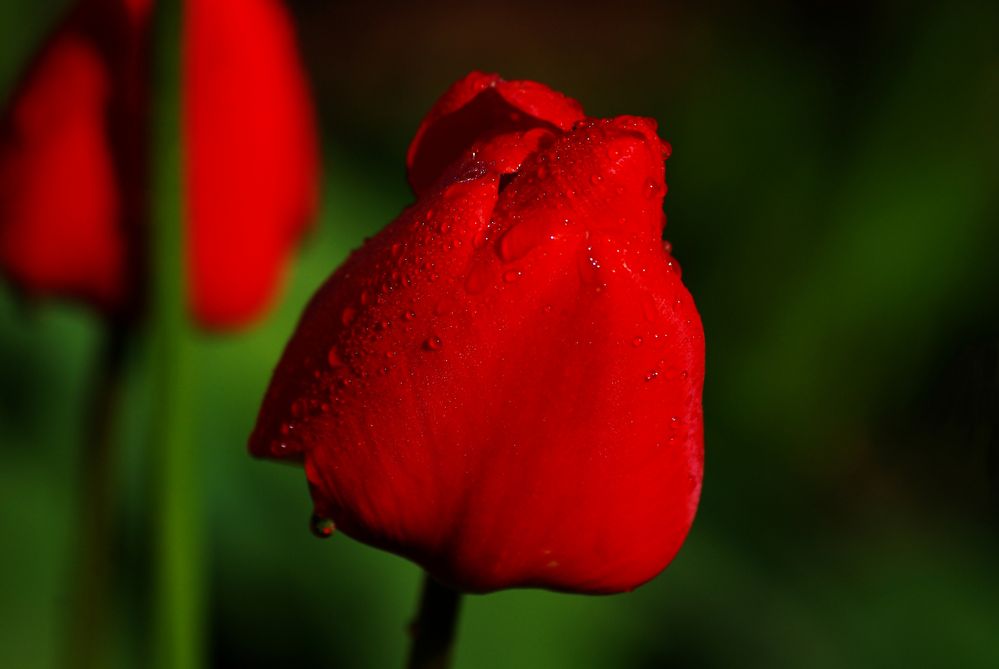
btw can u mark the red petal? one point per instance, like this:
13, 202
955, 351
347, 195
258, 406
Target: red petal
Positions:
478, 107
60, 231
252, 167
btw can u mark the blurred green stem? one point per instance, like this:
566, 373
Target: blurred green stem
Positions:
434, 628
178, 605
90, 612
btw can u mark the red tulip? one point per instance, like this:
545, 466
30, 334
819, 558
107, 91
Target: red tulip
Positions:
74, 148
504, 385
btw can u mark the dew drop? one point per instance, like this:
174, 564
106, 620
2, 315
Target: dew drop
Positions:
652, 188
347, 315
333, 358
433, 343
409, 315
512, 275
636, 342
396, 249
651, 376
321, 527
479, 278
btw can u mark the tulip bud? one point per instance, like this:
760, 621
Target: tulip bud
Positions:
504, 384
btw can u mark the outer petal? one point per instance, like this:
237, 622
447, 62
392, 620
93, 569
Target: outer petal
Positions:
60, 230
504, 385
252, 167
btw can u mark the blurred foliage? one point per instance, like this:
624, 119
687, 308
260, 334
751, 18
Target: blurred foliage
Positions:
834, 203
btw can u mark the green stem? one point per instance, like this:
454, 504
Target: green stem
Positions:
91, 604
178, 605
434, 628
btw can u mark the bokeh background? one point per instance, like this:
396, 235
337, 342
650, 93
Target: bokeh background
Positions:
833, 201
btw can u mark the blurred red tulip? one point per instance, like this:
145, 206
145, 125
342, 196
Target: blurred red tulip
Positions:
74, 147
504, 385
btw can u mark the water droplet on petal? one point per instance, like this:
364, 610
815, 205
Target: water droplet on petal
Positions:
321, 527
433, 343
652, 188
333, 358
347, 315
512, 275
636, 342
409, 315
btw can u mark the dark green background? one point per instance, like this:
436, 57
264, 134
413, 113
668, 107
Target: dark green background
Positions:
833, 201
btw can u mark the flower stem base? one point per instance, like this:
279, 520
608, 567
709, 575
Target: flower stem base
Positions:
433, 630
